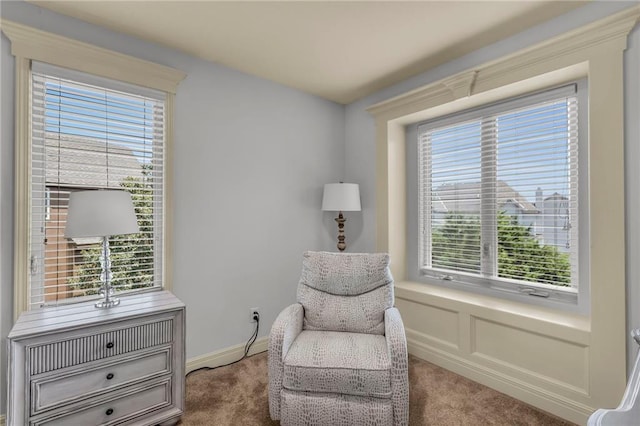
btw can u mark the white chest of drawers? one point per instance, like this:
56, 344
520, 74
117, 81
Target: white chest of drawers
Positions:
77, 365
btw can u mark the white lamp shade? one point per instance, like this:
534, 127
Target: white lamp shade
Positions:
100, 213
341, 197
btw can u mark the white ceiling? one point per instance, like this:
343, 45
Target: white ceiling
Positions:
338, 50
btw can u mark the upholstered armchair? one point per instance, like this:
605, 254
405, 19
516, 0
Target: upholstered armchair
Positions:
339, 355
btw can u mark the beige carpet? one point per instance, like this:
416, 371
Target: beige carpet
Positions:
237, 395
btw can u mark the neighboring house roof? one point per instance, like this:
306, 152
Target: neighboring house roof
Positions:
556, 196
465, 198
437, 204
87, 163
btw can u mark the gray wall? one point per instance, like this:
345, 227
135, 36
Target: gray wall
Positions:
250, 160
360, 133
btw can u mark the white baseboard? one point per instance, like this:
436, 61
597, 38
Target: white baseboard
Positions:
225, 356
532, 395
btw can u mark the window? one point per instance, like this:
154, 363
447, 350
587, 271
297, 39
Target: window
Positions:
106, 69
91, 133
499, 195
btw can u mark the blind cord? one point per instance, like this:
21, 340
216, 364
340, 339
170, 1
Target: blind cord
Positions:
247, 347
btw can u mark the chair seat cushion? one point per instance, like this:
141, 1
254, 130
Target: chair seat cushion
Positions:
338, 362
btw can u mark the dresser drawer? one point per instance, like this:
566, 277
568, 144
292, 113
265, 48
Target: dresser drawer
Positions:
122, 407
70, 365
80, 350
57, 390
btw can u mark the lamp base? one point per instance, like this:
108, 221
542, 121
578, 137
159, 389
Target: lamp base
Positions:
107, 301
104, 303
341, 220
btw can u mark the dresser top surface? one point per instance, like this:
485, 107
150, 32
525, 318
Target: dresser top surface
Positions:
86, 314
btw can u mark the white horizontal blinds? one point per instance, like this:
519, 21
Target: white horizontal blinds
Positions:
89, 136
499, 191
451, 161
536, 194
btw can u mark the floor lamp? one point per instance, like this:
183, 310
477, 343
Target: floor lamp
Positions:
101, 213
341, 197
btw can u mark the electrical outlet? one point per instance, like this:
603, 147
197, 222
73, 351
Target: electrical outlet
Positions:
251, 313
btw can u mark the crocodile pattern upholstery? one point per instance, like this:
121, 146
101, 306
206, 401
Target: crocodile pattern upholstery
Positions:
345, 292
339, 355
397, 345
349, 363
319, 409
284, 331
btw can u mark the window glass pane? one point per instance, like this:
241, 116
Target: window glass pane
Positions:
86, 137
536, 147
454, 197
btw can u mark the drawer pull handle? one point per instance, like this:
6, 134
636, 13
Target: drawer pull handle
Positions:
109, 376
109, 412
109, 345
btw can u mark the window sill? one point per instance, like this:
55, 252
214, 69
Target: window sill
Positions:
535, 318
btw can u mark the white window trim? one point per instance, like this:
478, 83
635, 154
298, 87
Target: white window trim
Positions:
594, 50
29, 44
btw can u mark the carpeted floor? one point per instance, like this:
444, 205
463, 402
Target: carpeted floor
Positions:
237, 395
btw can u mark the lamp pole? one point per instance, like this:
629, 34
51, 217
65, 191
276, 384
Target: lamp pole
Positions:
106, 291
341, 220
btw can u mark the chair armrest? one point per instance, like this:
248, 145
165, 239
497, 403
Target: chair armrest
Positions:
397, 347
284, 331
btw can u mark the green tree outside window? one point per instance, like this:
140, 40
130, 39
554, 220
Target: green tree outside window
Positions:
521, 256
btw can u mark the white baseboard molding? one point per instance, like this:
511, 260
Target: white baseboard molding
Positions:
533, 395
227, 355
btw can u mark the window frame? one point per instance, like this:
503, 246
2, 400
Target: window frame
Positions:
30, 44
574, 297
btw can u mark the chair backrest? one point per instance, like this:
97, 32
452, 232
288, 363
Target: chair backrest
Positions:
345, 291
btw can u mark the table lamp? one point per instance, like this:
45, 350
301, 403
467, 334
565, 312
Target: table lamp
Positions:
101, 213
341, 197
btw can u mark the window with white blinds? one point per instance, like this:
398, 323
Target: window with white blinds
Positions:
90, 133
499, 194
